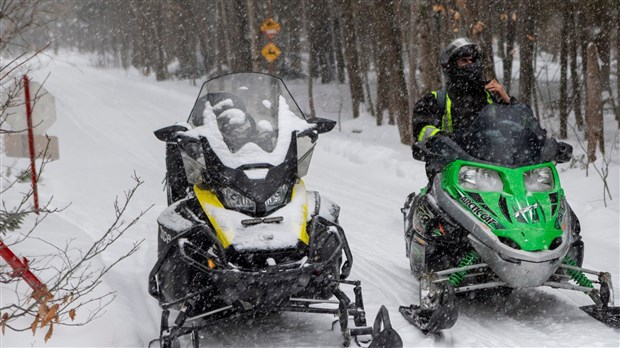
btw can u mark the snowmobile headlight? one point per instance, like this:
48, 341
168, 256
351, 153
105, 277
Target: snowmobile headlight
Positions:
480, 179
276, 199
539, 180
234, 200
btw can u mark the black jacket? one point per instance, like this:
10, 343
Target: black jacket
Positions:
466, 103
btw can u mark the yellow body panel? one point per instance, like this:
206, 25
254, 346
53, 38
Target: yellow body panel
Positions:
226, 229
208, 200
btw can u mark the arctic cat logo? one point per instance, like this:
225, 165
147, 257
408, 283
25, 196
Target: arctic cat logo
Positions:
478, 211
526, 210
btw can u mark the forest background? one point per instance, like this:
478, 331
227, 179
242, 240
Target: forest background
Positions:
351, 41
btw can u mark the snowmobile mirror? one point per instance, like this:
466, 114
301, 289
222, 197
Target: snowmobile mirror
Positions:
169, 133
323, 125
565, 152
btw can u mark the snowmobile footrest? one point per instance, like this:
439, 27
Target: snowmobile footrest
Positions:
610, 316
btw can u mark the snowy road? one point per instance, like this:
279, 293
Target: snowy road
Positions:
105, 123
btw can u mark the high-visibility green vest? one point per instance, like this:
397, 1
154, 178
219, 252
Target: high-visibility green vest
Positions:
444, 101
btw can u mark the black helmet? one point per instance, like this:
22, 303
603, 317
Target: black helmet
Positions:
459, 48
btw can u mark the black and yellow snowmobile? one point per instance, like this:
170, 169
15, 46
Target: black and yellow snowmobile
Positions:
242, 235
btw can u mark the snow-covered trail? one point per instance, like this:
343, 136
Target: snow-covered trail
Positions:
105, 123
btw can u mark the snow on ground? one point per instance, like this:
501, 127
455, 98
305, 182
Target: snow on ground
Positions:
105, 123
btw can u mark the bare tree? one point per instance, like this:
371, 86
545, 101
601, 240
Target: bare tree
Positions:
574, 74
304, 6
430, 73
566, 23
508, 17
349, 38
67, 277
594, 105
527, 18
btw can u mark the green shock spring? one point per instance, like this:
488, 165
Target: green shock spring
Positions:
456, 278
577, 276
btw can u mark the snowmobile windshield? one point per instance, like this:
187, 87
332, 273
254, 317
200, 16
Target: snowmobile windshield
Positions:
504, 134
247, 118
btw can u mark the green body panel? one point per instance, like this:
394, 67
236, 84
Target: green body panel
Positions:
532, 220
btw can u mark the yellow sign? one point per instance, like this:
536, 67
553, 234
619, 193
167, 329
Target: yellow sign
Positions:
270, 26
271, 52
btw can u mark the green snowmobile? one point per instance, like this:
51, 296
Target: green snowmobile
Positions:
494, 216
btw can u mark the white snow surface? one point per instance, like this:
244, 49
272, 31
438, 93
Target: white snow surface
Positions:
105, 123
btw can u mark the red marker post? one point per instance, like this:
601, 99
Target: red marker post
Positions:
33, 168
21, 269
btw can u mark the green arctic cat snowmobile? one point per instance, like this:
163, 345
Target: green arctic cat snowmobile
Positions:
494, 216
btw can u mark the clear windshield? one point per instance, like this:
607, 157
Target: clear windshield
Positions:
504, 134
246, 107
247, 118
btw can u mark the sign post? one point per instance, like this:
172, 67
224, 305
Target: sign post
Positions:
33, 167
270, 51
21, 269
35, 118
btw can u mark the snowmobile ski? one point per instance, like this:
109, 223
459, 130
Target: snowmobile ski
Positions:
441, 314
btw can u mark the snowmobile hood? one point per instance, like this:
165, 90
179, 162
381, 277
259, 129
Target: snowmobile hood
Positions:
524, 206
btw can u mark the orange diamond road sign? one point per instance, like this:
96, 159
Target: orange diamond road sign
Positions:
270, 27
271, 52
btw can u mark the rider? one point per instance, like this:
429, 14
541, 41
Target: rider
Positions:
466, 94
457, 106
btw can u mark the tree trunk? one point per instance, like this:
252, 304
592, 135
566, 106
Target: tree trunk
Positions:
381, 41
293, 50
527, 17
509, 31
393, 89
618, 65
574, 74
430, 73
161, 64
304, 10
594, 105
336, 34
320, 38
563, 72
224, 13
240, 44
253, 32
603, 38
413, 59
481, 32
349, 38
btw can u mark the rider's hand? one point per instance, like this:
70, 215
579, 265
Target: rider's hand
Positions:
497, 89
